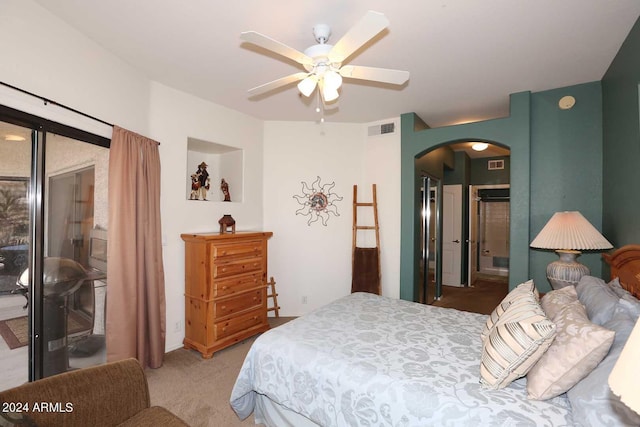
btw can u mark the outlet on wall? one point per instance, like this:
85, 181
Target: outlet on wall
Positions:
177, 327
304, 299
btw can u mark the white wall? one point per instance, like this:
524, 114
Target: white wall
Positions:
382, 167
314, 261
309, 260
174, 118
45, 56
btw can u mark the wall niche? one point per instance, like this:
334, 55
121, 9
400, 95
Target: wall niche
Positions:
222, 162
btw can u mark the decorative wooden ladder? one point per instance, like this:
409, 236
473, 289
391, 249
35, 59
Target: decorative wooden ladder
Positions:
365, 262
274, 296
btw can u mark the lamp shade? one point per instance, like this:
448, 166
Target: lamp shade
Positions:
623, 379
570, 231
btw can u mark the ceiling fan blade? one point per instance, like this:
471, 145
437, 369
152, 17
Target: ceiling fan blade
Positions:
275, 46
292, 78
383, 75
363, 31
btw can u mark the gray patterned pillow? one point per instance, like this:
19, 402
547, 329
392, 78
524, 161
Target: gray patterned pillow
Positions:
598, 298
520, 291
554, 301
592, 401
633, 302
515, 343
577, 349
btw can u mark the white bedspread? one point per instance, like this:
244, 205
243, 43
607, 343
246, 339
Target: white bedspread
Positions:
366, 360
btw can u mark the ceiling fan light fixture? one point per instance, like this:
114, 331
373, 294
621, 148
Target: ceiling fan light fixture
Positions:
308, 85
323, 62
329, 94
332, 80
480, 146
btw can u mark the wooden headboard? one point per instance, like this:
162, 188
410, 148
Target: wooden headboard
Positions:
625, 264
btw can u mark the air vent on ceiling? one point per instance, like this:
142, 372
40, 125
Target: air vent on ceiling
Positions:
495, 164
382, 129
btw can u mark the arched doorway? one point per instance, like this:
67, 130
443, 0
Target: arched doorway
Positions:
462, 236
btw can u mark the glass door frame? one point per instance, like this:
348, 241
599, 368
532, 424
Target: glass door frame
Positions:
430, 182
39, 128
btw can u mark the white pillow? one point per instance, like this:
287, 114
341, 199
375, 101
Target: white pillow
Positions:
577, 349
515, 343
554, 301
522, 290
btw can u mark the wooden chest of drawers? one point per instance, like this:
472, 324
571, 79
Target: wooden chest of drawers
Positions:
225, 289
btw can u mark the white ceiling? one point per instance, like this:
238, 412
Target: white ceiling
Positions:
465, 56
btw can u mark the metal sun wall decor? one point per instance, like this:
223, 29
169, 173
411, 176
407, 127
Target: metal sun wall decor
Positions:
317, 201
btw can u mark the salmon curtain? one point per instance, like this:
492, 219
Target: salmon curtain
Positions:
136, 319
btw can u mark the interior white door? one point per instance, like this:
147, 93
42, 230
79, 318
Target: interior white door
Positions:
451, 234
473, 235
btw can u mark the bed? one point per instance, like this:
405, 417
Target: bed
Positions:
367, 360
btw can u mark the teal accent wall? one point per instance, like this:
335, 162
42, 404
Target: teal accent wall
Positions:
461, 170
621, 144
556, 164
566, 167
512, 132
435, 163
480, 175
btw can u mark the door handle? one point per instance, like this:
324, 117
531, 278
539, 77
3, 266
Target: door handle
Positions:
455, 241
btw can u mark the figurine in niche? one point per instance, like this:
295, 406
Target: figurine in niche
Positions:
195, 187
203, 180
224, 186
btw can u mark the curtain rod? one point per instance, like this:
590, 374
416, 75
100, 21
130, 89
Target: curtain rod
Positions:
57, 104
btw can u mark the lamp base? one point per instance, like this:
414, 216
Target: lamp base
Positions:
566, 271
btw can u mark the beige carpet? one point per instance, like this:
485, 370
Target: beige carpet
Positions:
198, 390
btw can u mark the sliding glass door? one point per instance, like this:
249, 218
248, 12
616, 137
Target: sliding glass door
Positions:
15, 178
53, 198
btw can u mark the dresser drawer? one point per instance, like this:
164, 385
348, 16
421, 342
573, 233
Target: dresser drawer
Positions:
245, 301
244, 249
236, 284
240, 323
240, 266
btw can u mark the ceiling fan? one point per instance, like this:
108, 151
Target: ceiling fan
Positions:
323, 62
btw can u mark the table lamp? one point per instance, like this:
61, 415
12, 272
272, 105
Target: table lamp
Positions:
568, 233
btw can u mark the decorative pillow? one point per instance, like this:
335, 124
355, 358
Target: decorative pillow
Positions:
592, 401
622, 293
577, 349
522, 290
632, 308
554, 301
598, 298
515, 343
